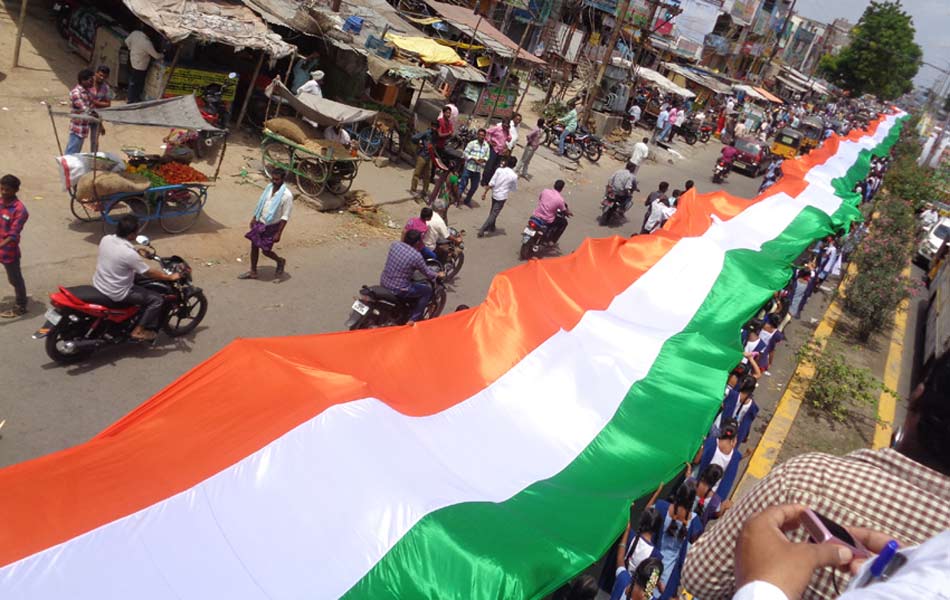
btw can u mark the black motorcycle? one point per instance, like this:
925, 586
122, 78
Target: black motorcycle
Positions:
378, 306
82, 320
463, 135
689, 131
537, 235
450, 253
611, 206
592, 145
721, 170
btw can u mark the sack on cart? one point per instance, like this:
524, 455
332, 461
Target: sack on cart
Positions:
109, 183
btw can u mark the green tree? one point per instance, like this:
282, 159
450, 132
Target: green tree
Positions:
882, 58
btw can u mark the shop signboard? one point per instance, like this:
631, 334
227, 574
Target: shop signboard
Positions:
190, 80
506, 99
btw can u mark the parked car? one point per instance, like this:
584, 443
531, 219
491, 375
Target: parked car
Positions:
753, 156
932, 240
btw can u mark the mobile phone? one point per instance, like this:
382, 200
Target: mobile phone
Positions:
822, 530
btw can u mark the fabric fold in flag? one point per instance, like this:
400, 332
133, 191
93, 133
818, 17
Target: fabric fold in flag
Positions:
576, 386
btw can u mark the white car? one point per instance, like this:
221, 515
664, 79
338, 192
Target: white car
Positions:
932, 240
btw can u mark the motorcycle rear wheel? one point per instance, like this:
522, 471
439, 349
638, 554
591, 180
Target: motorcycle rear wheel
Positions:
57, 336
190, 313
690, 138
525, 252
704, 136
606, 216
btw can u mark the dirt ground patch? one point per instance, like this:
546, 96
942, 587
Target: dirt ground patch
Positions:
814, 430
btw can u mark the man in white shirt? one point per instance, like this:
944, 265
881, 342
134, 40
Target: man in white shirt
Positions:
640, 151
513, 130
141, 52
268, 223
116, 267
336, 133
502, 183
312, 86
660, 211
634, 112
437, 229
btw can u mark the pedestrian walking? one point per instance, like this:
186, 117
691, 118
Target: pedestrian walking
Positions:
80, 97
13, 216
268, 223
532, 143
661, 121
640, 152
141, 53
476, 154
502, 183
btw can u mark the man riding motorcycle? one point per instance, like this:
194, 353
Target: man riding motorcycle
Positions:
549, 203
403, 261
116, 267
622, 184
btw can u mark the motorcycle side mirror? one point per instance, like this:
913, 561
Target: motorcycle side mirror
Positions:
232, 75
142, 240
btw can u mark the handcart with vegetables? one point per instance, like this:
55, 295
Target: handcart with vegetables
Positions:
294, 145
103, 187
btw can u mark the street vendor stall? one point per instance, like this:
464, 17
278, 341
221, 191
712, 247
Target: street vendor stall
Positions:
293, 145
151, 187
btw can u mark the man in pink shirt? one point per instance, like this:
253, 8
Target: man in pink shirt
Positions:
549, 202
497, 136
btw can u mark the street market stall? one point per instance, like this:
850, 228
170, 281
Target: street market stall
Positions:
151, 187
294, 146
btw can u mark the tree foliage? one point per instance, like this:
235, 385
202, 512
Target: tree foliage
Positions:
883, 57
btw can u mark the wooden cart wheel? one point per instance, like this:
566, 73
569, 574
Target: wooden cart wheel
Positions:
179, 210
341, 177
276, 154
130, 205
311, 177
86, 211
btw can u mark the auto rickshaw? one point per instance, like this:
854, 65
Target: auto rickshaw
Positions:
788, 143
813, 129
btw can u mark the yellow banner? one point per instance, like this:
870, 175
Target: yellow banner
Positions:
187, 80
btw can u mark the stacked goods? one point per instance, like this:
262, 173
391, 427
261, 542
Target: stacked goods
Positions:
92, 186
328, 149
143, 170
175, 172
292, 128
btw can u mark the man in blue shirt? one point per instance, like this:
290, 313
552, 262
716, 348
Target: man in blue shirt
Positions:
403, 261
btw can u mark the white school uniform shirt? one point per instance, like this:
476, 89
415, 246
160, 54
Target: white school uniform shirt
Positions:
502, 183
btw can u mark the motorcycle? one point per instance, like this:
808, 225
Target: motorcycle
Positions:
378, 306
689, 132
82, 320
462, 137
613, 205
592, 145
721, 170
215, 111
450, 253
536, 234
572, 149
62, 11
705, 132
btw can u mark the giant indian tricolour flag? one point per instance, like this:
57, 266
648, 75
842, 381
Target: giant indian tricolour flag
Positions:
491, 453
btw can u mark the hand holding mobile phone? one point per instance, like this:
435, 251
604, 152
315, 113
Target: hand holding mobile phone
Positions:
822, 530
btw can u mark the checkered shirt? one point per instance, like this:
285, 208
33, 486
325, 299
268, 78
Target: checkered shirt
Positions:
81, 100
13, 216
403, 261
877, 489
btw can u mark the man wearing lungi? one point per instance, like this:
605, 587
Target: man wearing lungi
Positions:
267, 224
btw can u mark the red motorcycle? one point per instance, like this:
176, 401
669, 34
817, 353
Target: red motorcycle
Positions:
705, 132
82, 320
572, 147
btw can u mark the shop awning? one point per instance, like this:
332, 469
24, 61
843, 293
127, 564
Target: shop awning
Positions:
323, 111
791, 84
467, 73
287, 13
663, 82
216, 21
750, 91
707, 82
467, 22
428, 50
387, 70
177, 112
769, 95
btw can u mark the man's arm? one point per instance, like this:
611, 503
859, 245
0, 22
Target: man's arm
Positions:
150, 48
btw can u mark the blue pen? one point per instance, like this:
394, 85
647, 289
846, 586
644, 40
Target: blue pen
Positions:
880, 563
